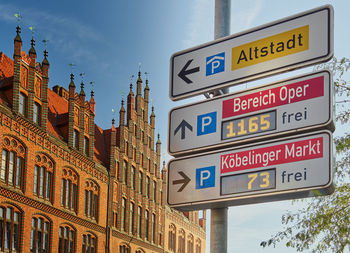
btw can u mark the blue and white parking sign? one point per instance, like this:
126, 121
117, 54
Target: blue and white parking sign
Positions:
215, 64
205, 177
206, 123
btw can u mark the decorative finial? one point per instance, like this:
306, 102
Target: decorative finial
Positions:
18, 30
113, 116
72, 65
18, 17
72, 77
146, 74
139, 68
158, 136
92, 88
32, 40
122, 102
82, 76
45, 53
45, 43
131, 87
152, 108
163, 163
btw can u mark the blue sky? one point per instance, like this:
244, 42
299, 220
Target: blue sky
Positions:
108, 39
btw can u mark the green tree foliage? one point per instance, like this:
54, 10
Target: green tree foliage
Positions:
324, 224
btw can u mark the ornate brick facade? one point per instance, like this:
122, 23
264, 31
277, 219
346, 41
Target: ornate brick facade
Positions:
66, 185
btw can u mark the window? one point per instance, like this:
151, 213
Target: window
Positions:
23, 100
124, 249
134, 154
86, 145
140, 182
149, 142
125, 172
132, 177
182, 241
9, 229
40, 234
91, 199
69, 189
89, 243
76, 139
198, 246
42, 182
123, 212
153, 228
147, 186
12, 163
37, 113
147, 225
139, 211
66, 243
154, 189
115, 219
172, 238
190, 244
149, 164
131, 217
139, 251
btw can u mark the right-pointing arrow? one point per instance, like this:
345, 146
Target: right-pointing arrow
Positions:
183, 126
184, 181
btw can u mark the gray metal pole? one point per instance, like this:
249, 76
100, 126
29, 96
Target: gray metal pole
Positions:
218, 218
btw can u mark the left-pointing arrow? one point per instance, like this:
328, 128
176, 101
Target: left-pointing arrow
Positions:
183, 126
184, 181
184, 72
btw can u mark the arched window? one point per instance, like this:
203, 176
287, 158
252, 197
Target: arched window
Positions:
139, 251
132, 177
147, 225
91, 199
154, 190
198, 246
147, 186
89, 243
172, 238
40, 234
69, 189
181, 241
12, 163
131, 217
36, 113
153, 228
123, 248
123, 213
43, 177
140, 182
125, 172
139, 220
190, 243
67, 240
23, 104
9, 228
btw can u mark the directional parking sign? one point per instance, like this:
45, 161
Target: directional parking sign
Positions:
294, 42
286, 107
288, 168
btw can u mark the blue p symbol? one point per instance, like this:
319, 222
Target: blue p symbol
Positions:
215, 64
205, 177
206, 123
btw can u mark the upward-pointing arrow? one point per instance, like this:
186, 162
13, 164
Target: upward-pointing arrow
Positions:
183, 126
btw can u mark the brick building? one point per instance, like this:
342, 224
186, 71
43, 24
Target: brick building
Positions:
66, 185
